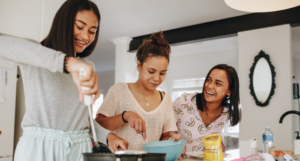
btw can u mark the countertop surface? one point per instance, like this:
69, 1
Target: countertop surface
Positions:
232, 154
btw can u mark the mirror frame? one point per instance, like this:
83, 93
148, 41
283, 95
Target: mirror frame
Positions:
262, 54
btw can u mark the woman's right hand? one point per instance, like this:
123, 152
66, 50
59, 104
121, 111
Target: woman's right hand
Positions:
90, 80
116, 143
136, 122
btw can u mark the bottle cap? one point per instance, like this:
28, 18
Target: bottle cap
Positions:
267, 127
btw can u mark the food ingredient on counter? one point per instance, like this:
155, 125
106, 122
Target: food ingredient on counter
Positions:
280, 153
213, 148
289, 152
273, 153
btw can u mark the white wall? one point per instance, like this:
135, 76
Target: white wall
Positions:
198, 65
21, 18
107, 79
296, 102
276, 42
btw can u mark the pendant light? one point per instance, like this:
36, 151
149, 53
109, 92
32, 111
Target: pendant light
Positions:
262, 5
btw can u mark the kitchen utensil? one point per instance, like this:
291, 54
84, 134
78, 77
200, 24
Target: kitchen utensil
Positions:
137, 152
145, 139
88, 102
154, 156
129, 155
255, 157
123, 157
172, 148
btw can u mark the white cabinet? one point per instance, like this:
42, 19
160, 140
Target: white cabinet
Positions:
7, 112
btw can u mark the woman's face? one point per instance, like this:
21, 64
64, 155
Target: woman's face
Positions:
153, 72
85, 28
216, 86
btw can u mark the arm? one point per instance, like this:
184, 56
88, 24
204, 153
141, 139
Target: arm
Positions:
108, 117
170, 136
114, 122
115, 143
110, 123
26, 52
165, 136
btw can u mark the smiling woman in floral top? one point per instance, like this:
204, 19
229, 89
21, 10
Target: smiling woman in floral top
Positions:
201, 114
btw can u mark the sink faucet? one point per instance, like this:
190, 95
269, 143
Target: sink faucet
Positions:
287, 113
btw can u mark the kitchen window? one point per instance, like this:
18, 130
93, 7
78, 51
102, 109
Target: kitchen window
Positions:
191, 85
231, 130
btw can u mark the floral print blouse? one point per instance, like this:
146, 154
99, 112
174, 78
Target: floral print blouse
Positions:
190, 124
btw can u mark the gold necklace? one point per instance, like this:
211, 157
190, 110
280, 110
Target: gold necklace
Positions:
141, 94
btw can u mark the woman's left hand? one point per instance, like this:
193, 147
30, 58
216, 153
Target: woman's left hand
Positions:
175, 137
116, 143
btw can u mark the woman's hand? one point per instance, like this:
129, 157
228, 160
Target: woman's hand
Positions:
136, 122
175, 137
116, 143
90, 80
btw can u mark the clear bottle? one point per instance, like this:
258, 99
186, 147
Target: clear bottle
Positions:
267, 139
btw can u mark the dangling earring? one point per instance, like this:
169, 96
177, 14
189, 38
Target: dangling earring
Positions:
228, 96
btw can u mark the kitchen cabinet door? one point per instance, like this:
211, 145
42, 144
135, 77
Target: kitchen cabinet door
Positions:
7, 112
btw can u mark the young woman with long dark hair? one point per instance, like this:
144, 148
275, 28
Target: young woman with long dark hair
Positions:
56, 124
201, 114
131, 108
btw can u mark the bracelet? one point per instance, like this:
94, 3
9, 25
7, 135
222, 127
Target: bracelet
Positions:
123, 117
65, 64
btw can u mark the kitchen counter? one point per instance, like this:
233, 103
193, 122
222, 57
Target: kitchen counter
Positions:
232, 154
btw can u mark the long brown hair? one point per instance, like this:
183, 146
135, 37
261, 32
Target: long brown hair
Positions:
61, 35
232, 102
155, 46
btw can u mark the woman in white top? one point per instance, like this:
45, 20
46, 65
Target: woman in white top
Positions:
131, 108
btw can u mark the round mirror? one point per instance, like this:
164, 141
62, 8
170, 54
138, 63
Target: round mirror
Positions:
262, 79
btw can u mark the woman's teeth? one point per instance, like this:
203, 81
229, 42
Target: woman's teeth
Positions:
210, 93
81, 42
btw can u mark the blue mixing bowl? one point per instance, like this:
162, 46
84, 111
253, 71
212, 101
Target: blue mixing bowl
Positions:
173, 149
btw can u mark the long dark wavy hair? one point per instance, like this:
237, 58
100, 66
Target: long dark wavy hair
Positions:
61, 35
231, 102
